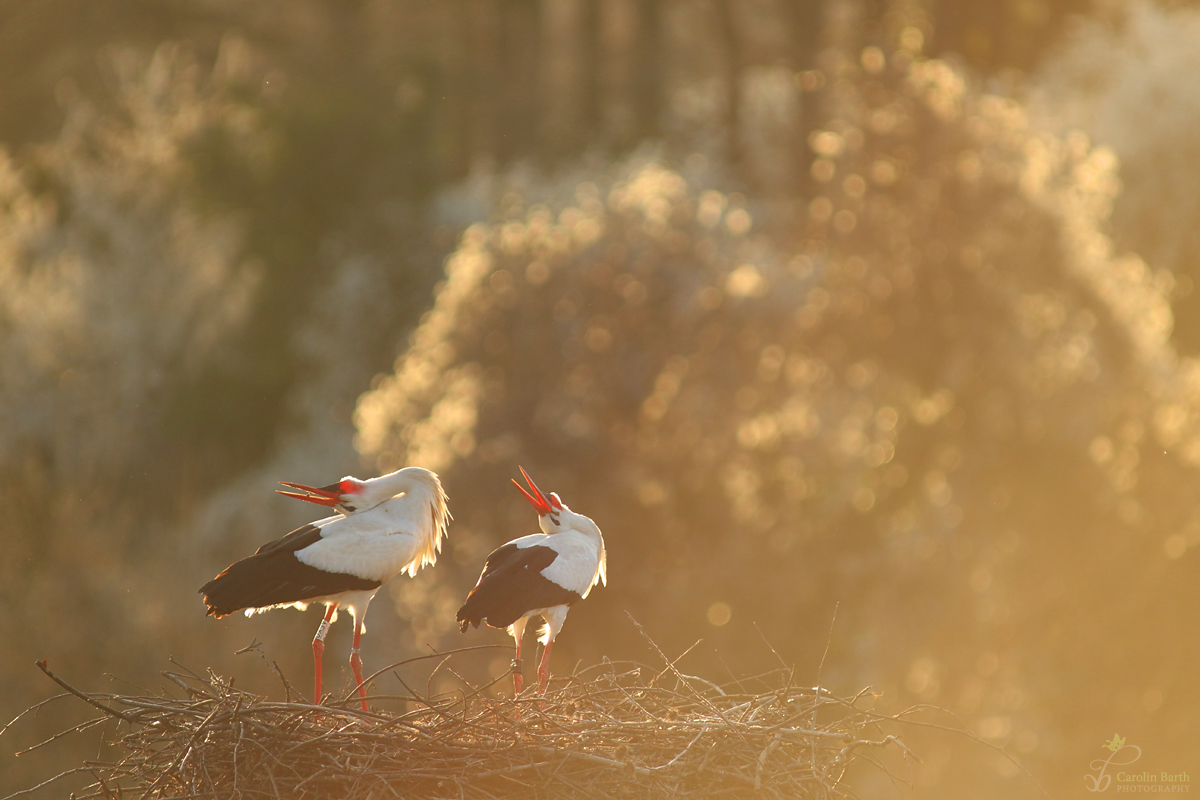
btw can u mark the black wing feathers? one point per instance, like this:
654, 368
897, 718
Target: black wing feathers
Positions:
273, 575
511, 586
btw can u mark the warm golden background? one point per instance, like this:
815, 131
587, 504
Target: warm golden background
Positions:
882, 306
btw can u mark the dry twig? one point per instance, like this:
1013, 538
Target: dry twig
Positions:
614, 730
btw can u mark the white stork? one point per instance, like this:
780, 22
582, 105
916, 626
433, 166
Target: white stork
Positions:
540, 574
385, 526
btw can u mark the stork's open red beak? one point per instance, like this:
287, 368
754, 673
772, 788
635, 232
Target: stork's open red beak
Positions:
329, 495
537, 499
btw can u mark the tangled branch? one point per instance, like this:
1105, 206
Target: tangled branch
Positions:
616, 729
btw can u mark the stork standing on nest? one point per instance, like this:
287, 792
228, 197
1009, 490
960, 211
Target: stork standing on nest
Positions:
384, 526
538, 575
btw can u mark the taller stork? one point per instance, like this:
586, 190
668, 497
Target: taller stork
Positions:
542, 574
384, 526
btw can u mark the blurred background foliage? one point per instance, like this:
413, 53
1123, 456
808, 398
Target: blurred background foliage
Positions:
875, 310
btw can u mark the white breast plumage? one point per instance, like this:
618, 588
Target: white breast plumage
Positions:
578, 555
378, 544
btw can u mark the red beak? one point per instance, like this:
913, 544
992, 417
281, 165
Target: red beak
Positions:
330, 495
537, 499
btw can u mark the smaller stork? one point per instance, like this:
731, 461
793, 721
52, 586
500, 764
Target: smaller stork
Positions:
538, 575
385, 526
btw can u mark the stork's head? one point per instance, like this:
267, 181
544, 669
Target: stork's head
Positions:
347, 495
553, 514
555, 517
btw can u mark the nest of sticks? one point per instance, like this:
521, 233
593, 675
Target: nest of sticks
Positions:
614, 730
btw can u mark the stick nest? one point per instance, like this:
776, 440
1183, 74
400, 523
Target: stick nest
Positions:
614, 730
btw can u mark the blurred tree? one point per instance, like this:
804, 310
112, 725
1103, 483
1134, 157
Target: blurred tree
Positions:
53, 46
628, 57
118, 288
927, 396
591, 91
995, 36
914, 379
164, 262
1118, 79
515, 83
804, 20
649, 70
732, 62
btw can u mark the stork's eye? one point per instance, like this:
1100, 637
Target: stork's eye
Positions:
348, 507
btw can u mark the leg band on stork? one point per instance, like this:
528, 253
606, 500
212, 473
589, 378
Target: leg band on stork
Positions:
319, 650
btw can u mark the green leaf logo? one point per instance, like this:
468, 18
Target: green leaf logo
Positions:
1116, 744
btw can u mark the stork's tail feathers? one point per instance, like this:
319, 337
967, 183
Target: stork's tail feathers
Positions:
466, 618
276, 577
222, 595
233, 590
213, 611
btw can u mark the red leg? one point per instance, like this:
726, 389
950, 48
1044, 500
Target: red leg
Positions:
518, 678
319, 650
356, 664
544, 673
